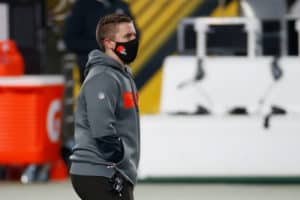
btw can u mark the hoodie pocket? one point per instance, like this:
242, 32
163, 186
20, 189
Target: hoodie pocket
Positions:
111, 147
124, 157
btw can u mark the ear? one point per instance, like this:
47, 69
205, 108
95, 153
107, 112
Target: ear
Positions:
108, 44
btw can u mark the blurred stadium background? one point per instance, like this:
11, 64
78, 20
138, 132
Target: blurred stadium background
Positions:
218, 88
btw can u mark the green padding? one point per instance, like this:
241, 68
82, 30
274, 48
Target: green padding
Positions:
231, 180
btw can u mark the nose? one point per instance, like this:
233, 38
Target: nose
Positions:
132, 37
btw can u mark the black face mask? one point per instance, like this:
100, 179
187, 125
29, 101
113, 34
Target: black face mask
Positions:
127, 51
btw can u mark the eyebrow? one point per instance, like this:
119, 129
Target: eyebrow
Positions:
129, 34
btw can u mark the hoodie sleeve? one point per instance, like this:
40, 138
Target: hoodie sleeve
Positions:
101, 96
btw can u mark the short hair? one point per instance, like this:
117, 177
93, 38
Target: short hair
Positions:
106, 27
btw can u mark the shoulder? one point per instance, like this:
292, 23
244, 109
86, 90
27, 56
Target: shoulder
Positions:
103, 78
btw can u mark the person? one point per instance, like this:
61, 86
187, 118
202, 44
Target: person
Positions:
106, 153
80, 26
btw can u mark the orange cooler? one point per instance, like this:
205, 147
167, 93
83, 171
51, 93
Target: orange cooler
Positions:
30, 119
11, 60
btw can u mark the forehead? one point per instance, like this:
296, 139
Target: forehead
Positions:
125, 27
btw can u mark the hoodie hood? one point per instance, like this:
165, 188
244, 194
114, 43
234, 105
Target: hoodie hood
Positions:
98, 58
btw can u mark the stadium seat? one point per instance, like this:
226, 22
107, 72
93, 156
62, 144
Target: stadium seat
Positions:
237, 82
285, 94
180, 89
219, 84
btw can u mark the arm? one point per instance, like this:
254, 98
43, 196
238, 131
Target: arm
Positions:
101, 95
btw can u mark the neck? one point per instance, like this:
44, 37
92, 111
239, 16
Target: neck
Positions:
111, 54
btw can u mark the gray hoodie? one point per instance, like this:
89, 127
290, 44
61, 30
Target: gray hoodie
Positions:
107, 132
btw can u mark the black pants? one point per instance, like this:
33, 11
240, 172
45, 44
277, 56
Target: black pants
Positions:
99, 188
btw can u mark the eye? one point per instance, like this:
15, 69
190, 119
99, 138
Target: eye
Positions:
129, 36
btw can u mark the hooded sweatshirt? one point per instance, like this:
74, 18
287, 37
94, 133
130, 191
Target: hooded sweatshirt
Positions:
107, 130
